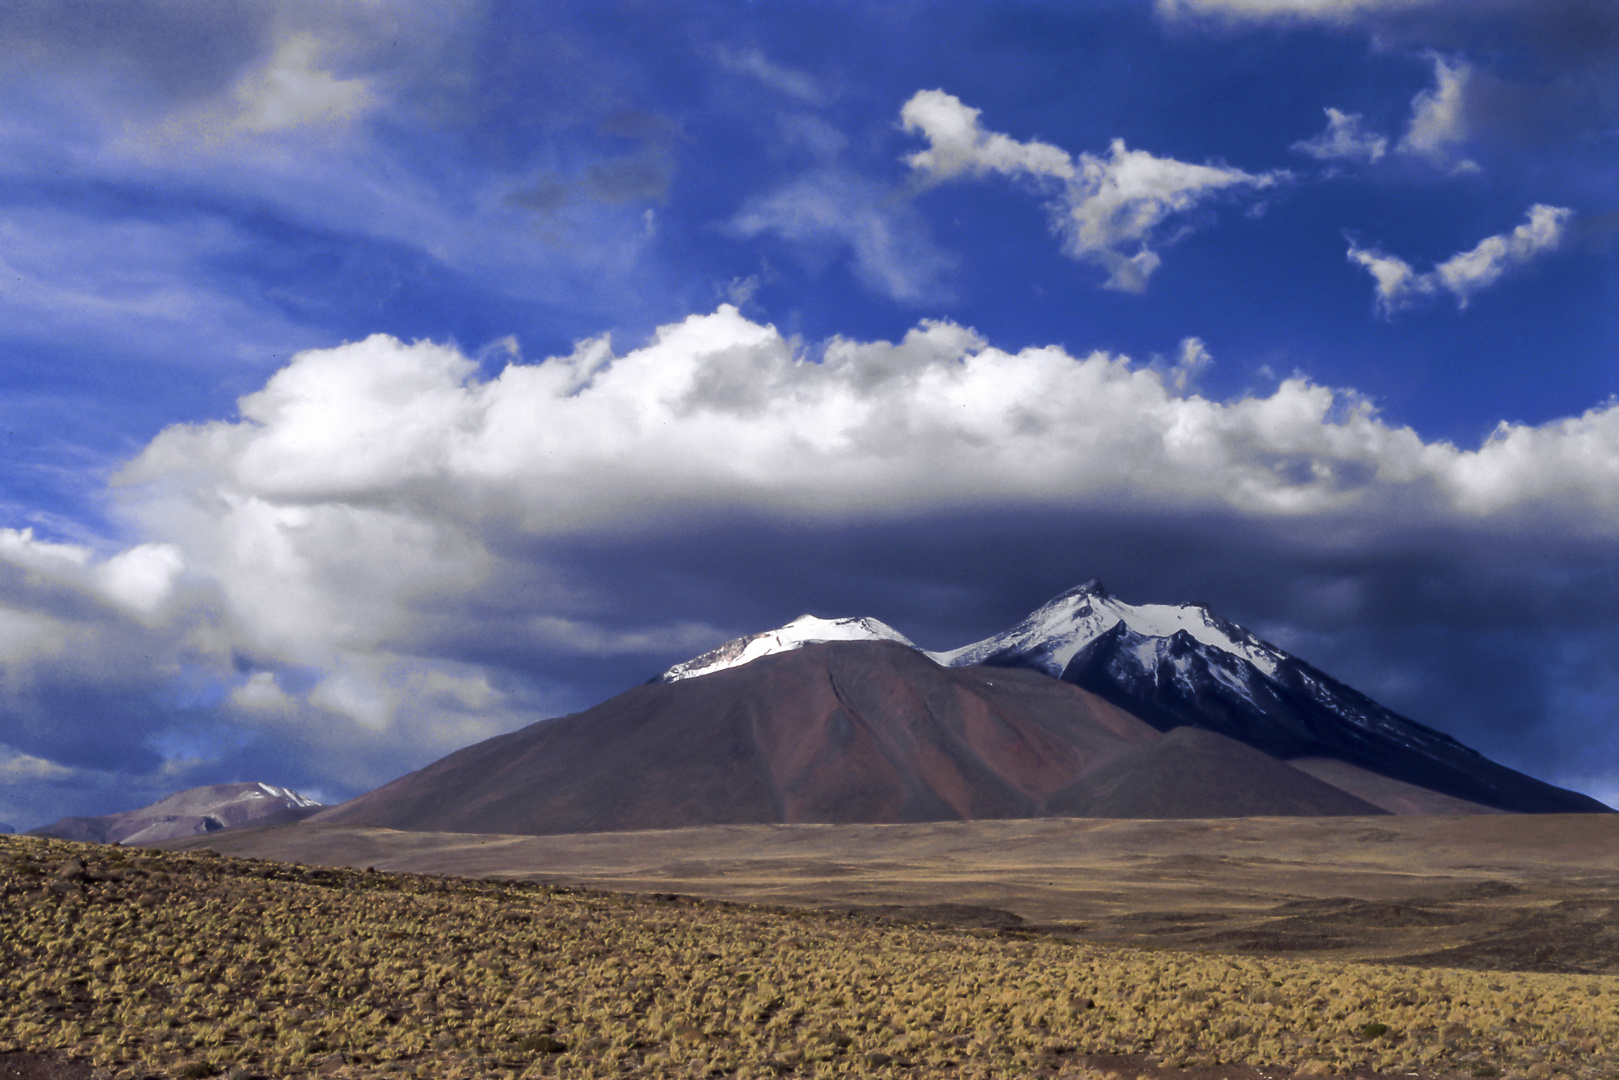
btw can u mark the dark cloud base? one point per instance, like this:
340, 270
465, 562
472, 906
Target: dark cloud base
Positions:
1467, 634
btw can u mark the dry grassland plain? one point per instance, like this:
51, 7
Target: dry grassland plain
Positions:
1535, 892
193, 964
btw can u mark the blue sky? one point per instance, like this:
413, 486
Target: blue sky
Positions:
381, 376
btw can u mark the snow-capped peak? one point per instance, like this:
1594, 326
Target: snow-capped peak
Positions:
1046, 640
287, 796
804, 630
1063, 626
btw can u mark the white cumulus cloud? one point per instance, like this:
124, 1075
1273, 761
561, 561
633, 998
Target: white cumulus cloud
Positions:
1107, 210
398, 456
142, 579
1399, 285
957, 144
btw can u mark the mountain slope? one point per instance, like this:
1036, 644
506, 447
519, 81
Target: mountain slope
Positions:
862, 731
1395, 796
187, 813
1192, 773
1297, 711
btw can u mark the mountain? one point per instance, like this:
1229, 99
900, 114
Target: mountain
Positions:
843, 731
1048, 639
187, 813
851, 731
1182, 665
7, 829
1088, 707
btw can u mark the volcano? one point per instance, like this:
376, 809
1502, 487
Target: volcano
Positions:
1182, 665
1088, 707
851, 731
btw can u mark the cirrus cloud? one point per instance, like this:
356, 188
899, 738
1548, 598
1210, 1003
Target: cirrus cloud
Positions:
832, 209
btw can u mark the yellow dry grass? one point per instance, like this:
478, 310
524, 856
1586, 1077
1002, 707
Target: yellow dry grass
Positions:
192, 964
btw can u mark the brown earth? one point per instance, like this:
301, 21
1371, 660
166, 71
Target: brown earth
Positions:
1500, 892
19, 1065
1190, 770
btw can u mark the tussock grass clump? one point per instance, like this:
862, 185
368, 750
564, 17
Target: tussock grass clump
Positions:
192, 965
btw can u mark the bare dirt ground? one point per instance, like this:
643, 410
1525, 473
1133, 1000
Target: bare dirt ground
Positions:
1508, 892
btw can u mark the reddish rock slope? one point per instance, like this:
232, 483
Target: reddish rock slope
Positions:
856, 732
835, 732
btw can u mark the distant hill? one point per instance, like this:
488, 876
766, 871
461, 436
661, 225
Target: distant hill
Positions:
187, 813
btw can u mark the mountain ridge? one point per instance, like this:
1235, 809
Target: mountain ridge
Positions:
1183, 665
853, 732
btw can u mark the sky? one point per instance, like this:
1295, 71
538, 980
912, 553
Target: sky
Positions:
379, 376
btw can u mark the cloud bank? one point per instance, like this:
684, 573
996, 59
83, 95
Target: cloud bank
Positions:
1467, 272
378, 561
721, 411
1108, 210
